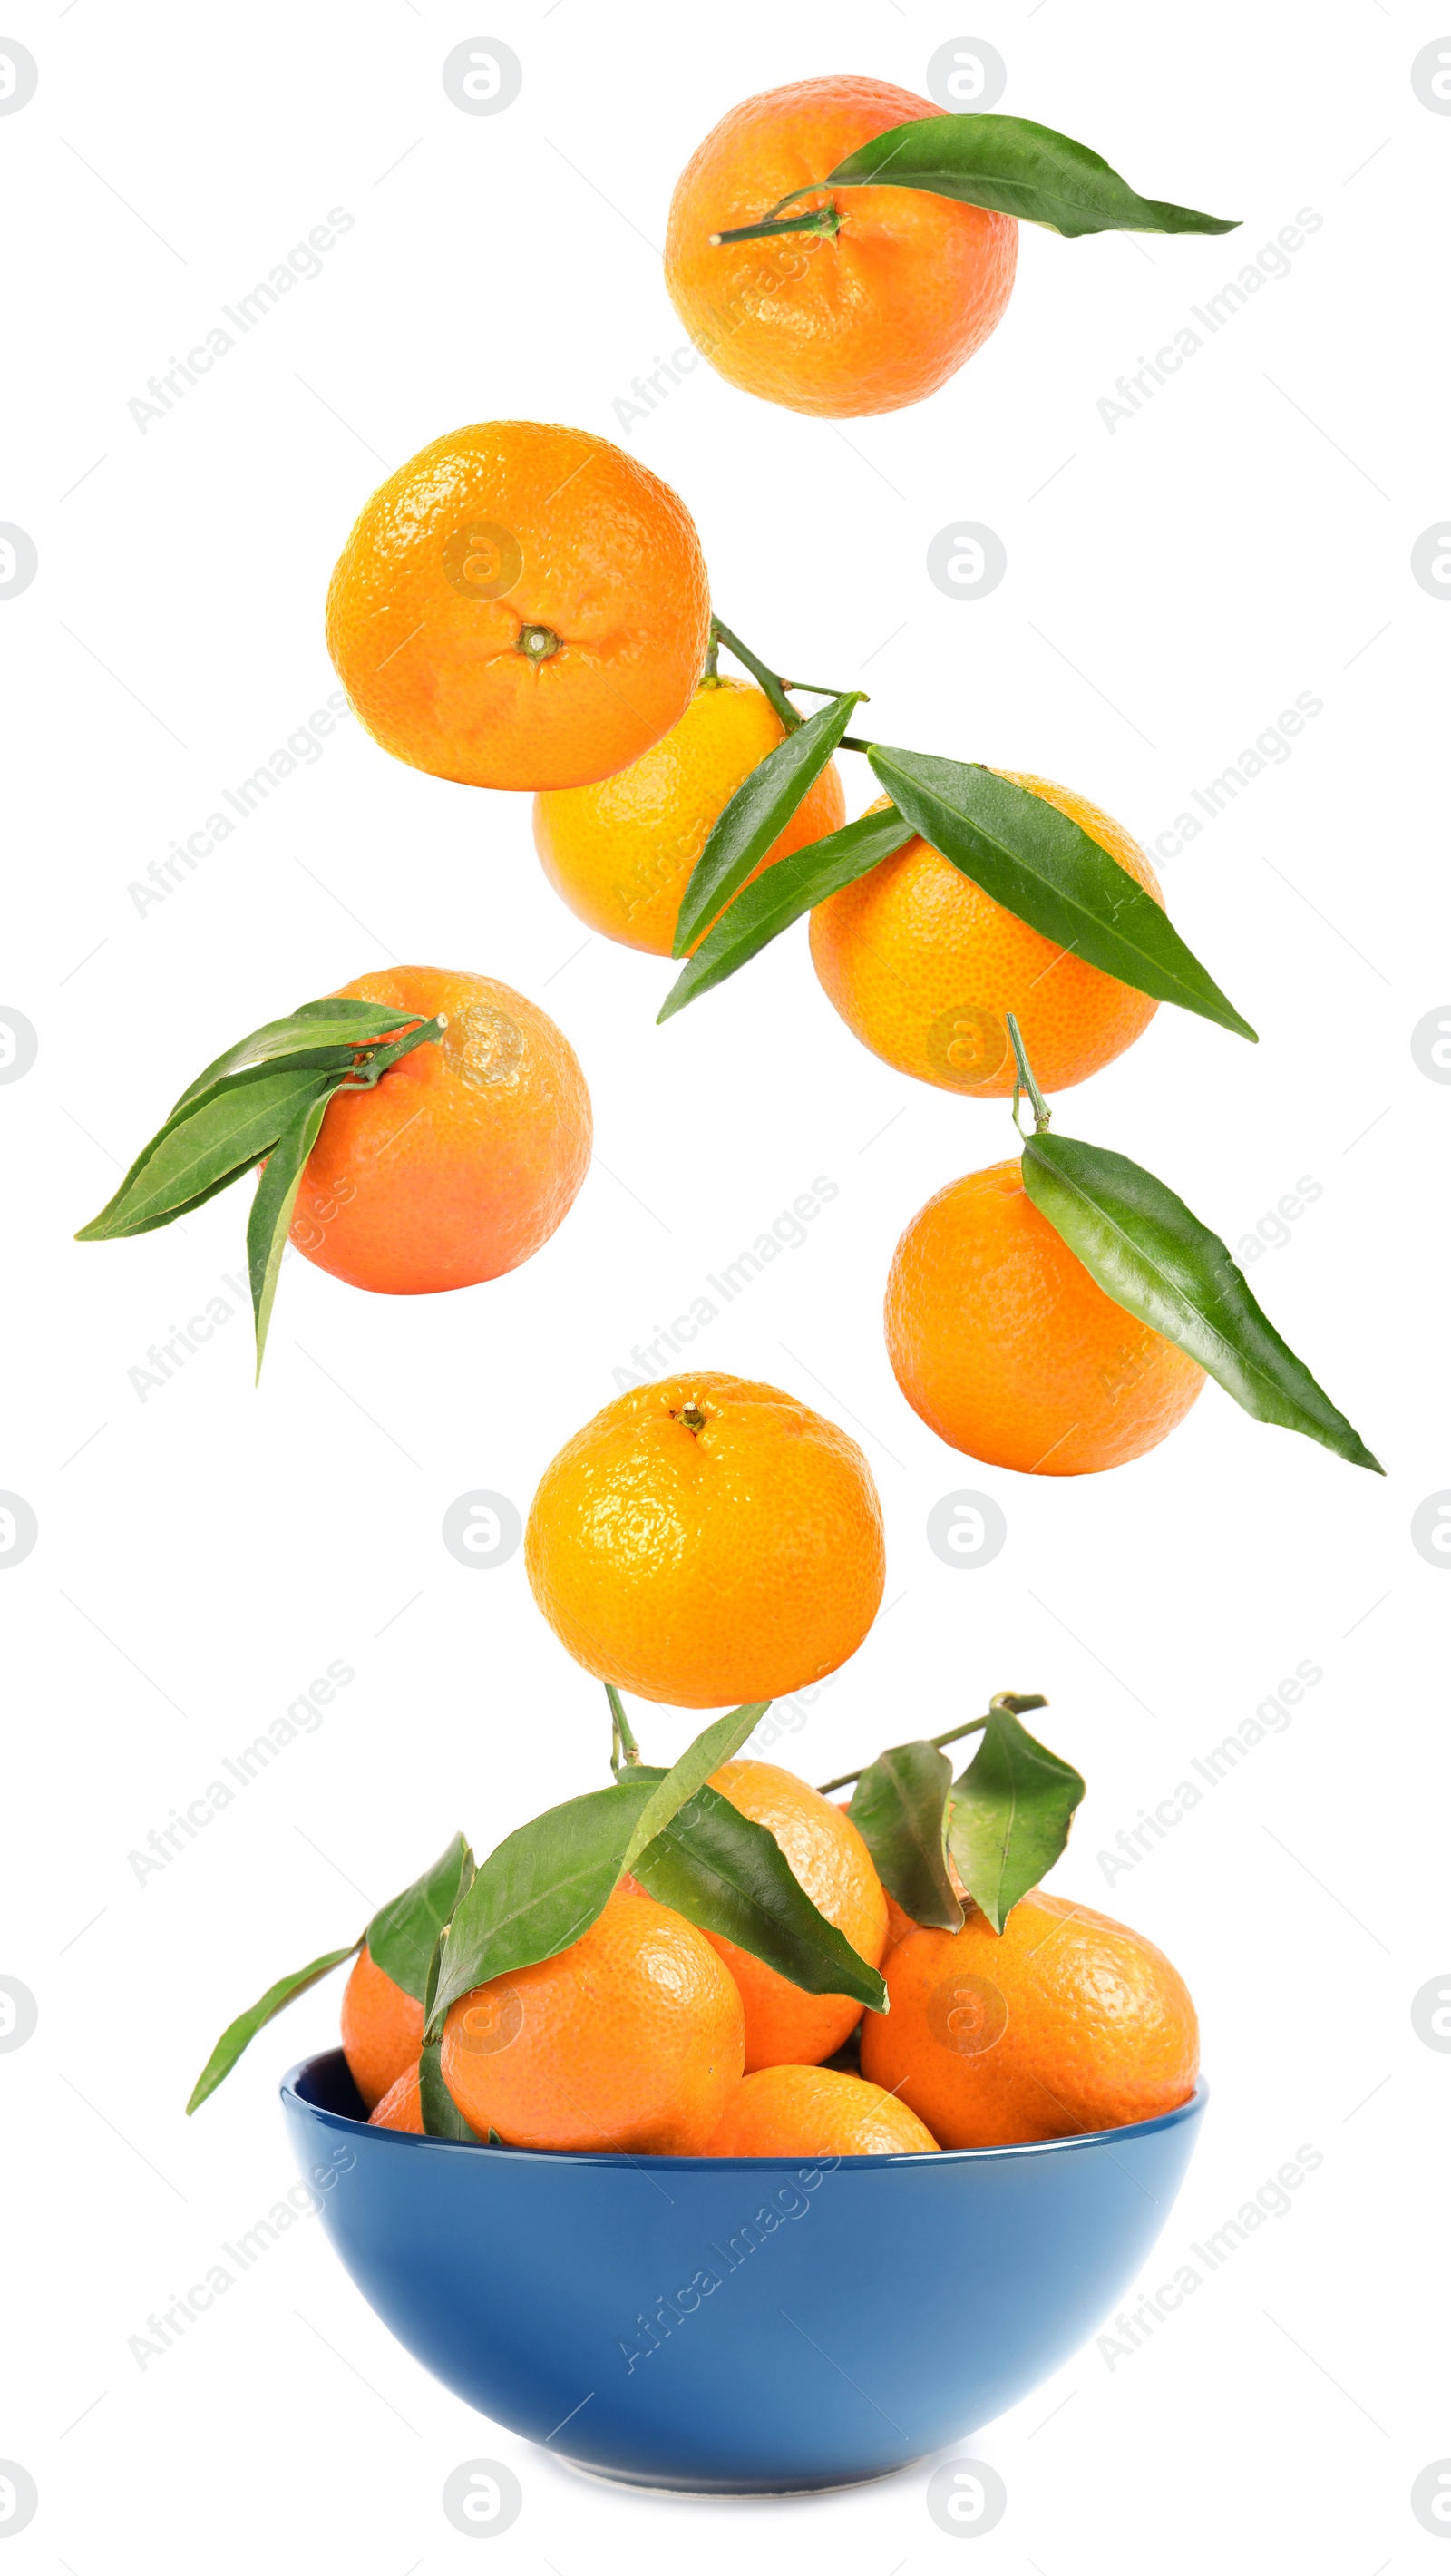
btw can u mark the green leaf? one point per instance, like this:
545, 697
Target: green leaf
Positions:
442, 2117
270, 1220
337, 1024
1044, 867
770, 903
1018, 168
547, 1883
715, 1744
1151, 1254
1010, 1816
404, 1933
246, 2026
729, 1875
541, 1889
757, 814
899, 1807
202, 1147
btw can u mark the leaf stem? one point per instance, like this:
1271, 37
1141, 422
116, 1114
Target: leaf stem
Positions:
623, 1748
821, 219
775, 687
362, 1077
1017, 1703
1042, 1114
769, 681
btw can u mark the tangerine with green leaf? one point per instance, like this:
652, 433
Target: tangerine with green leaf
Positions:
462, 1161
875, 306
924, 968
621, 853
629, 2041
382, 2029
1010, 1351
784, 2024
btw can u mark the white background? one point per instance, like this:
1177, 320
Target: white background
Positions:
204, 1553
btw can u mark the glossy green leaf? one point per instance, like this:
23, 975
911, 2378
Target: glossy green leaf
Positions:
541, 1889
441, 2115
546, 1883
247, 2024
789, 887
715, 1744
1010, 1815
337, 1024
757, 814
899, 1807
203, 1147
1044, 867
1151, 1254
404, 1933
729, 1875
1017, 168
270, 1220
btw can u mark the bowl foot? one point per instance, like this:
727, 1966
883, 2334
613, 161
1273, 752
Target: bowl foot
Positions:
719, 2490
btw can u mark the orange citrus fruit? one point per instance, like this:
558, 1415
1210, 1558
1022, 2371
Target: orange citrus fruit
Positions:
400, 2107
520, 606
1008, 1348
875, 309
621, 852
382, 2029
784, 2024
924, 969
462, 1158
630, 2041
1062, 2023
813, 2111
706, 1541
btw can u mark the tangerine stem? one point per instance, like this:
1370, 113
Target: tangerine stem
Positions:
1017, 1703
775, 687
623, 1747
1042, 1114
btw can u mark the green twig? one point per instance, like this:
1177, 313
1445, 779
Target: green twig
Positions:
1042, 1114
623, 1748
1017, 1704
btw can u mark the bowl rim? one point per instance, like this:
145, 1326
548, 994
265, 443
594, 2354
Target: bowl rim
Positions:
597, 2161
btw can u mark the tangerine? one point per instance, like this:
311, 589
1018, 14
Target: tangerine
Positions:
520, 606
873, 306
924, 969
621, 852
1008, 1348
1063, 2023
813, 2111
628, 2042
382, 2028
707, 1540
784, 2024
464, 1156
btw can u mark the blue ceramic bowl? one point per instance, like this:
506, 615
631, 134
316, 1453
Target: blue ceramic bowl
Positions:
753, 2325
